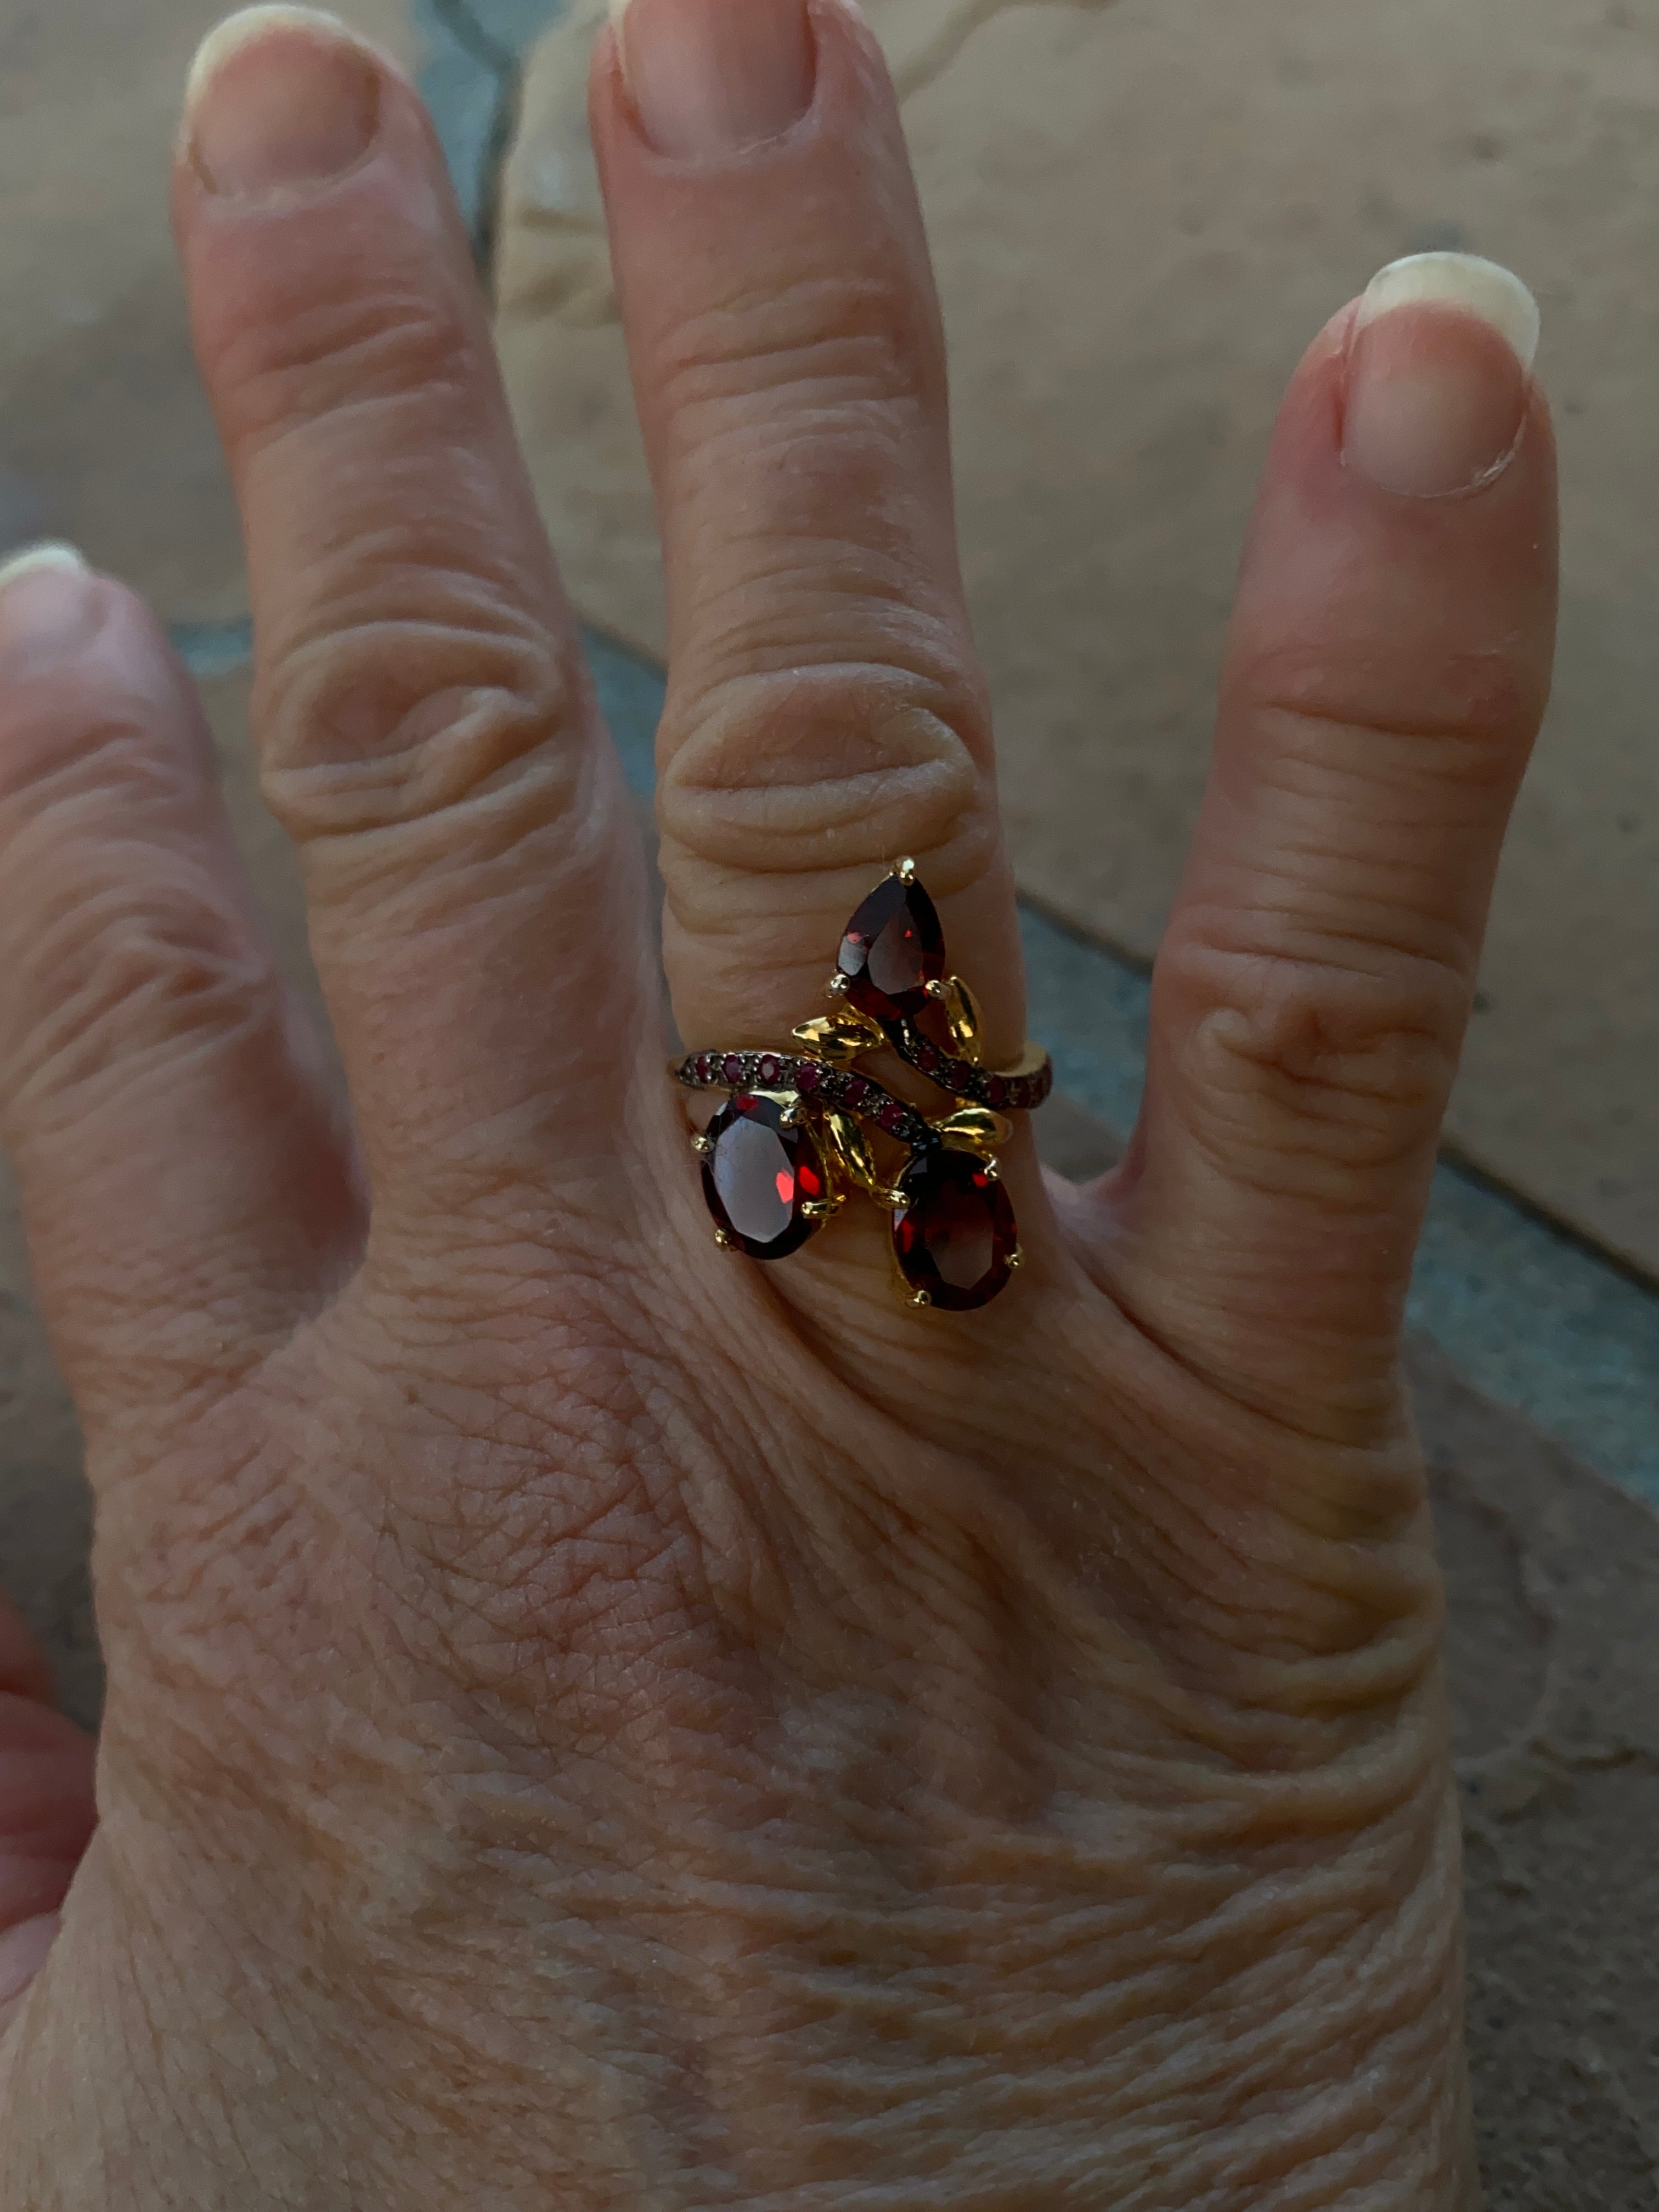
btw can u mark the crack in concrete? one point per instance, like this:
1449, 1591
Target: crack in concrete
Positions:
506, 65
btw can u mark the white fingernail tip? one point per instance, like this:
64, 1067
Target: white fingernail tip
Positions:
1479, 286
53, 554
247, 24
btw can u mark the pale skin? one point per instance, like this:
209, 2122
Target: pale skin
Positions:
595, 1723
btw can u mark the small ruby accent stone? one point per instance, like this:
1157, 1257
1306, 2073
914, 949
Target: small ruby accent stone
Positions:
852, 1088
892, 1116
893, 948
955, 1234
758, 1174
928, 1058
731, 1068
996, 1091
808, 1075
767, 1070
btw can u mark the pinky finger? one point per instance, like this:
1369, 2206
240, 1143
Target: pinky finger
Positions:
1387, 669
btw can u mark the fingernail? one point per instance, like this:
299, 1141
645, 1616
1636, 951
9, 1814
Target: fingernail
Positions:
1438, 375
280, 96
711, 76
44, 599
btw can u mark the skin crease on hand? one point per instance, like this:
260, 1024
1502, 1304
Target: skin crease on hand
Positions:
594, 1721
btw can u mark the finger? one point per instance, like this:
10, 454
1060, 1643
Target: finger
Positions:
1387, 669
47, 1808
825, 714
183, 1179
426, 726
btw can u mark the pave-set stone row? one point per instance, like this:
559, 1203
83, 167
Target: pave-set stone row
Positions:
954, 1233
809, 1078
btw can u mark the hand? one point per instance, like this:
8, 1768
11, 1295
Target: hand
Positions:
594, 1721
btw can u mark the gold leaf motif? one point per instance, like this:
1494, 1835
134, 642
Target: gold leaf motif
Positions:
850, 1149
974, 1129
839, 1038
962, 1013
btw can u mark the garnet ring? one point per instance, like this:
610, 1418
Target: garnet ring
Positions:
803, 1128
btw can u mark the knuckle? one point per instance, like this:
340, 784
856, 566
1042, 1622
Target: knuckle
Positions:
127, 974
1314, 1058
394, 721
833, 340
804, 767
819, 399
1470, 727
333, 354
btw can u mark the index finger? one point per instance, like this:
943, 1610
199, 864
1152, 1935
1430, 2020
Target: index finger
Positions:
426, 726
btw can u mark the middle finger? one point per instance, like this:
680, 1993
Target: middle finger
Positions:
825, 714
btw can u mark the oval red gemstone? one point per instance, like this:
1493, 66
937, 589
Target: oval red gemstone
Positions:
759, 1175
996, 1091
731, 1068
892, 950
808, 1075
767, 1072
892, 1116
955, 1234
852, 1088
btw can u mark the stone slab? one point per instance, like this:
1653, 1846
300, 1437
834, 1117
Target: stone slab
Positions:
105, 433
1140, 217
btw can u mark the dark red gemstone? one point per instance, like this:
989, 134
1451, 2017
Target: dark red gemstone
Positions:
766, 1072
892, 1116
731, 1068
955, 1234
759, 1174
893, 949
996, 1091
808, 1075
928, 1058
699, 1067
852, 1088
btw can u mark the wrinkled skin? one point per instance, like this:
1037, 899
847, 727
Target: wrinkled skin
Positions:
593, 1721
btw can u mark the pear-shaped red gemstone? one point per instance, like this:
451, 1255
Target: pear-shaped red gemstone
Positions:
759, 1175
893, 949
955, 1234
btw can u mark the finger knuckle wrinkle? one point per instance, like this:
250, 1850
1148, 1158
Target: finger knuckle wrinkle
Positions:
125, 978
73, 761
824, 767
1466, 732
832, 341
1354, 1061
399, 720
341, 353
